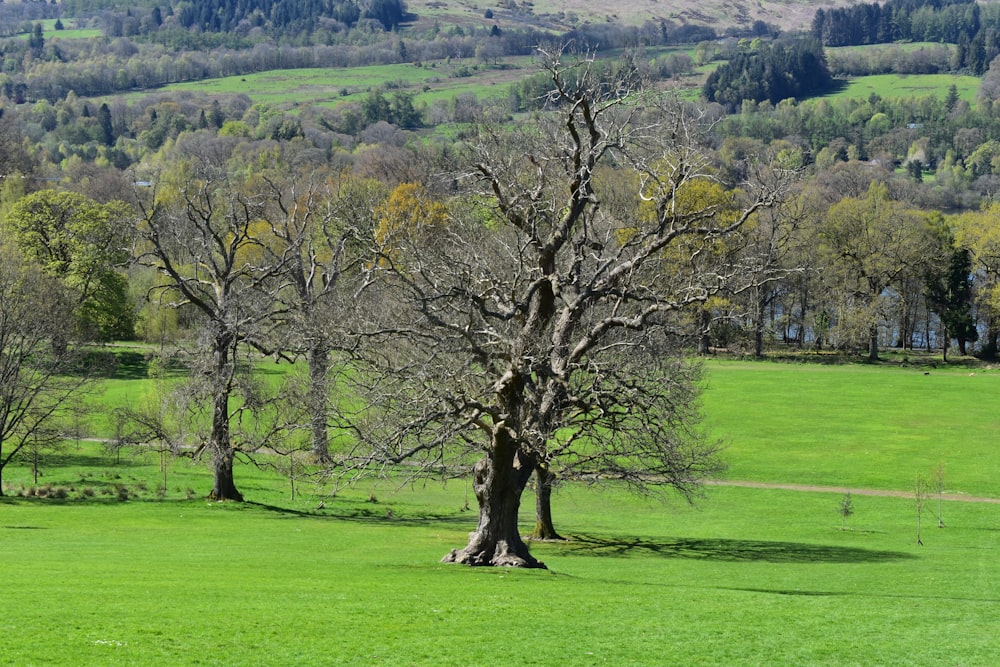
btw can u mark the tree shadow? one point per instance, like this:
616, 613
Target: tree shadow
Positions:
376, 514
726, 550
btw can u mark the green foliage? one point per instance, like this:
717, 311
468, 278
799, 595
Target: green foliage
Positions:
772, 72
84, 243
959, 22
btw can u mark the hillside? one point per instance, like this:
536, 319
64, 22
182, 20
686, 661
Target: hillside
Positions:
568, 14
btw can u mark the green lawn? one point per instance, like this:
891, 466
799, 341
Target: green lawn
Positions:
749, 577
745, 577
856, 425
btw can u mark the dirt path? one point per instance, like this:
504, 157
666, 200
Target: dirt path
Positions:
843, 489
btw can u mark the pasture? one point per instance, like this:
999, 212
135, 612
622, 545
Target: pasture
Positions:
748, 576
914, 86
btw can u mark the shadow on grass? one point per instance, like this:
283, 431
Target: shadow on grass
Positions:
104, 462
372, 514
728, 550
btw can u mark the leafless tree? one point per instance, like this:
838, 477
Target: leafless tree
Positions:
534, 327
39, 380
314, 217
209, 238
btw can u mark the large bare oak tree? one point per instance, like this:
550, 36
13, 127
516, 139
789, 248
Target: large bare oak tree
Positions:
536, 327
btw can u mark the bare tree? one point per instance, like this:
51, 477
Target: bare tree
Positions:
208, 236
532, 327
314, 218
38, 379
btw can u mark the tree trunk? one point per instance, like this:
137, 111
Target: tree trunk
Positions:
873, 344
319, 367
544, 528
498, 481
704, 341
220, 444
225, 485
992, 338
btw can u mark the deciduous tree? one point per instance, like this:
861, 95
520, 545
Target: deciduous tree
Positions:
208, 236
38, 380
872, 243
86, 244
314, 220
532, 327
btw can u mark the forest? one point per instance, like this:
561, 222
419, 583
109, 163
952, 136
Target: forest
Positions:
972, 27
512, 285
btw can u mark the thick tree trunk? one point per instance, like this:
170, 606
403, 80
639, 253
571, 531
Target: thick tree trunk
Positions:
319, 367
992, 340
760, 304
220, 444
873, 344
544, 528
498, 482
225, 484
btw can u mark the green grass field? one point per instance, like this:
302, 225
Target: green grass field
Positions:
332, 86
856, 425
746, 577
906, 86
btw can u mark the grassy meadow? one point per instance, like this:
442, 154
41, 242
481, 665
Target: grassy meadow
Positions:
889, 86
856, 424
747, 576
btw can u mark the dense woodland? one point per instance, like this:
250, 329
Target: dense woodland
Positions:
651, 226
781, 70
974, 28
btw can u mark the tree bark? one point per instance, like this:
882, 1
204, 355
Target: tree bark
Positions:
544, 528
498, 481
225, 484
873, 344
704, 341
220, 443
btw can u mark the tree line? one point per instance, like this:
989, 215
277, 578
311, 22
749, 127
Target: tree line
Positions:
147, 45
972, 27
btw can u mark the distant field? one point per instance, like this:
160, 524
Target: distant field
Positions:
69, 31
330, 86
907, 85
429, 81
